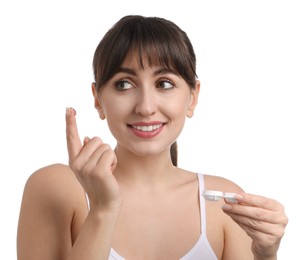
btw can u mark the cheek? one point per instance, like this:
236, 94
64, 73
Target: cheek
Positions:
116, 114
115, 109
178, 105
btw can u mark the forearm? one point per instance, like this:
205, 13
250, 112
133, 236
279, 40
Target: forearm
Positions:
95, 237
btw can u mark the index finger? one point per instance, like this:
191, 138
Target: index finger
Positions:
260, 202
74, 144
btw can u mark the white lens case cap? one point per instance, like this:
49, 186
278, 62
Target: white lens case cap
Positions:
230, 197
213, 195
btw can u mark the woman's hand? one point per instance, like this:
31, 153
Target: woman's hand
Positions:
93, 163
263, 219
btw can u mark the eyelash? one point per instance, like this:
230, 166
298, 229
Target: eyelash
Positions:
167, 82
119, 83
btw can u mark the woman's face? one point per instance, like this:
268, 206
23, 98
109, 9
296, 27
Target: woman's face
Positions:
145, 107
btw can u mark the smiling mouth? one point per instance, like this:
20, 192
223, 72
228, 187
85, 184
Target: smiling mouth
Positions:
146, 128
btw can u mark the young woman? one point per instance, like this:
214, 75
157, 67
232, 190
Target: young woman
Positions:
133, 202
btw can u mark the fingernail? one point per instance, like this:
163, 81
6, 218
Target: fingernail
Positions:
70, 110
238, 196
226, 207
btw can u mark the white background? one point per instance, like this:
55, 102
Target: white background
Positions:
249, 125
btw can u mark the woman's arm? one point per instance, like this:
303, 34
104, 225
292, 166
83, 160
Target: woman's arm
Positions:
263, 219
54, 224
48, 212
253, 227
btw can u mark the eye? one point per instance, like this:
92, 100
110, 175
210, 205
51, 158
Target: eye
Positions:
123, 85
165, 84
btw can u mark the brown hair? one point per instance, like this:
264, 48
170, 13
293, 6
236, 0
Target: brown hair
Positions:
158, 40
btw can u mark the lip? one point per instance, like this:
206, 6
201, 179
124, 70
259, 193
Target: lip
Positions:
146, 129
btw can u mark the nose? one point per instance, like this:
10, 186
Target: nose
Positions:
146, 102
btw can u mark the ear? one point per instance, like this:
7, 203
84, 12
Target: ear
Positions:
193, 99
97, 101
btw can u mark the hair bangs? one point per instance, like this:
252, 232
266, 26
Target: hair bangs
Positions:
156, 41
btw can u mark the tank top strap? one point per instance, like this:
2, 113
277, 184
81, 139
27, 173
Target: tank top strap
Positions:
87, 201
202, 202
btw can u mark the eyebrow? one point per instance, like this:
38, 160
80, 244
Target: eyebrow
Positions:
165, 70
126, 70
160, 71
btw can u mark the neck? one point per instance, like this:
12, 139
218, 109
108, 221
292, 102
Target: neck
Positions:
143, 170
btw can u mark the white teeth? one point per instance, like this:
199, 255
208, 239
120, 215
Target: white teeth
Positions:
148, 128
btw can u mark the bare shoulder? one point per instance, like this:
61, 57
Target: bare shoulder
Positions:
52, 212
213, 182
220, 227
54, 184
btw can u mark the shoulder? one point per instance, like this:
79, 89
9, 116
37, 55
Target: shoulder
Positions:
54, 184
52, 211
213, 182
221, 227
52, 177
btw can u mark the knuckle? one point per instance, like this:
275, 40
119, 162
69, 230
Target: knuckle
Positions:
259, 215
69, 137
253, 223
285, 221
76, 166
281, 233
97, 139
278, 233
271, 239
106, 147
109, 152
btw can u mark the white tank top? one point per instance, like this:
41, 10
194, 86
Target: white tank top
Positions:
202, 249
